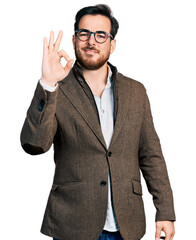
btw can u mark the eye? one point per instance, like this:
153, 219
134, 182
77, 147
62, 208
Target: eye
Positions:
101, 35
83, 34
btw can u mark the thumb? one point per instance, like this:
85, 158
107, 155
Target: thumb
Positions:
158, 232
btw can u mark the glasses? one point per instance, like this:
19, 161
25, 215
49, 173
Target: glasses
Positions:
100, 36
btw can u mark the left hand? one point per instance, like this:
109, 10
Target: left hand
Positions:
167, 227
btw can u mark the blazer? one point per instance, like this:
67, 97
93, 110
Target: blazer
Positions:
68, 119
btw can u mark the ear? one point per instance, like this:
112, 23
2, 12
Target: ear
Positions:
74, 40
113, 46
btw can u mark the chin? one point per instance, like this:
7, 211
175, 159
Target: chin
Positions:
92, 65
91, 62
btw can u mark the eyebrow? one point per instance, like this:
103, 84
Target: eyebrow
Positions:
99, 31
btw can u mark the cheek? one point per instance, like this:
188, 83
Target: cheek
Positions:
108, 47
108, 50
79, 46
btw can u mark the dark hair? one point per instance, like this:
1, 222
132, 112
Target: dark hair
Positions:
101, 9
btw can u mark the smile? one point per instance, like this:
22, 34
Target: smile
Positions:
89, 51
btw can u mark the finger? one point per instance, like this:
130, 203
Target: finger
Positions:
45, 45
169, 233
62, 53
58, 40
68, 66
51, 41
158, 233
169, 236
172, 236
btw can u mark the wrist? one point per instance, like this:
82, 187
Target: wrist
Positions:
48, 87
48, 83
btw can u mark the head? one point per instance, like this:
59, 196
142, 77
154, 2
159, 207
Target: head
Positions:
95, 42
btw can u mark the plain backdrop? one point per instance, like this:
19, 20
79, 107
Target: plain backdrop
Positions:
156, 45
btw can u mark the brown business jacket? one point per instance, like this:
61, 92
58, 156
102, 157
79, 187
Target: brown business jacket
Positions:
68, 118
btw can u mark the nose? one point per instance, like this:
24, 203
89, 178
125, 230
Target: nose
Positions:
92, 39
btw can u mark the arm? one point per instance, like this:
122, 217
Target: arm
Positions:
40, 124
153, 167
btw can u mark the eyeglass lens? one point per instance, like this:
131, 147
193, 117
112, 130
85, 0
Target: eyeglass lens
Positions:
100, 36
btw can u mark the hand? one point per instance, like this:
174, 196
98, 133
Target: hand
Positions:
167, 227
52, 69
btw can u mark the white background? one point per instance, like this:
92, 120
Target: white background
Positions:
156, 45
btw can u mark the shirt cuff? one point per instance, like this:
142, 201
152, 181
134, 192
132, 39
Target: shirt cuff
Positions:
48, 88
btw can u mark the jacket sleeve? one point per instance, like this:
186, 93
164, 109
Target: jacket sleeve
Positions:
40, 124
153, 167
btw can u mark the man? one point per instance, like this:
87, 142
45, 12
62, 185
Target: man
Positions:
101, 126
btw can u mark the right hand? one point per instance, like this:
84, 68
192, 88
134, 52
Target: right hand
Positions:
52, 69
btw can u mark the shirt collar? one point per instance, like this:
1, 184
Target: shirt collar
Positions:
77, 70
109, 79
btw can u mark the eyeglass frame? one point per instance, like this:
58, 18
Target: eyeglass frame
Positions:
108, 35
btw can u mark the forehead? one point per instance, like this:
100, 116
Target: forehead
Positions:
95, 23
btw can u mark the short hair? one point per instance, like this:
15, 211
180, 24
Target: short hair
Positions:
101, 9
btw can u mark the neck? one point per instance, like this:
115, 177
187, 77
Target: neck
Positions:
96, 77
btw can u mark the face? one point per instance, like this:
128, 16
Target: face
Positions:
90, 54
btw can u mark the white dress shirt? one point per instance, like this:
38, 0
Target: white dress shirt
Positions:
105, 106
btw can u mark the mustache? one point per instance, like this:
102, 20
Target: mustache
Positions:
91, 48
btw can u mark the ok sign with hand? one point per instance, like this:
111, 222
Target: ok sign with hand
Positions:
52, 69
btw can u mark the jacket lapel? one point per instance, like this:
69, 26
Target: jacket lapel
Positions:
83, 104
122, 103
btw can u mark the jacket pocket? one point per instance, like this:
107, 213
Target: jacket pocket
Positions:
137, 187
55, 186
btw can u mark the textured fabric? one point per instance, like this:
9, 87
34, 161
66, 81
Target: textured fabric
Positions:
68, 119
105, 107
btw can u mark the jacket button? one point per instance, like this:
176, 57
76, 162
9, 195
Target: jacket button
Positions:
109, 154
41, 105
103, 183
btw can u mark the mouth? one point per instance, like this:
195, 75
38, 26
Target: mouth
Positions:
90, 50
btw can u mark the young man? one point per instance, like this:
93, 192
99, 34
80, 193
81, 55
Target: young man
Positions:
101, 126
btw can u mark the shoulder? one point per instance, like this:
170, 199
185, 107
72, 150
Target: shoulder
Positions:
134, 84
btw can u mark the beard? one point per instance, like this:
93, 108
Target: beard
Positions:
88, 62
